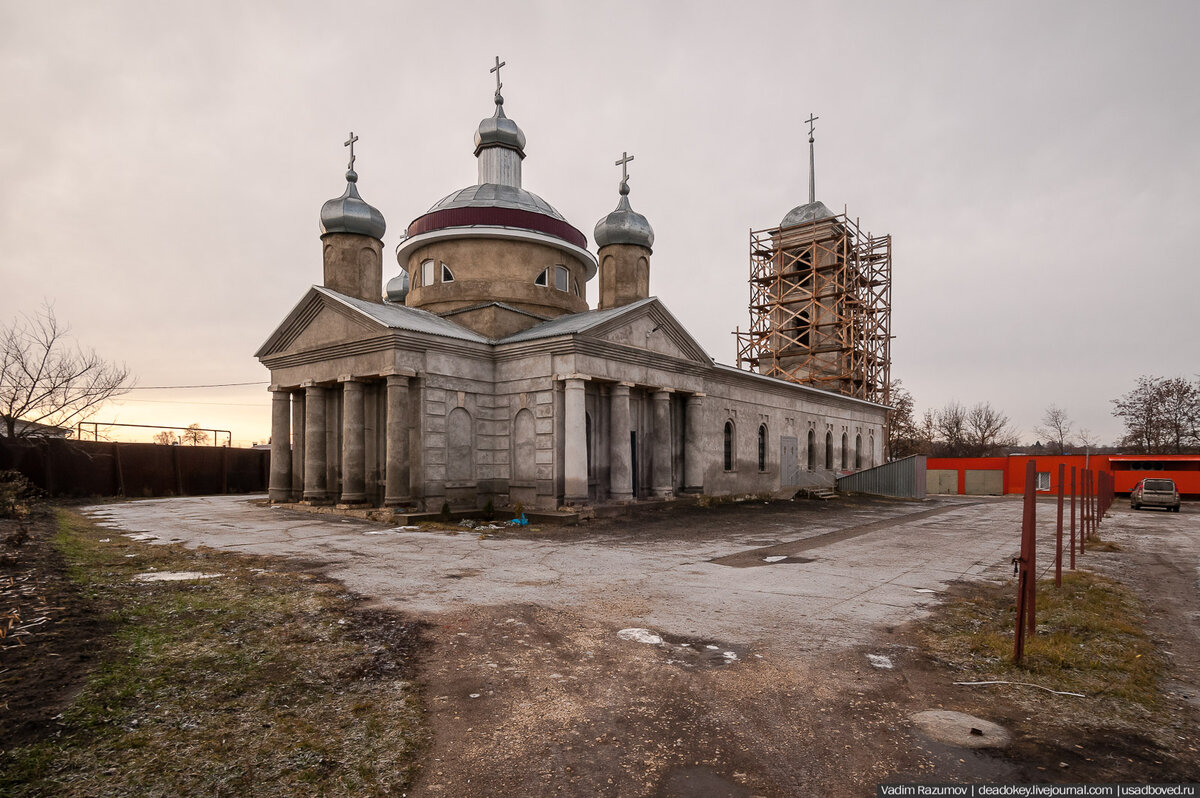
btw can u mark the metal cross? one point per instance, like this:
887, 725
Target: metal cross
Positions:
350, 143
496, 69
625, 158
810, 121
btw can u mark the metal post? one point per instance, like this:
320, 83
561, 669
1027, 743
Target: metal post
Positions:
1062, 471
1083, 521
1025, 565
1072, 518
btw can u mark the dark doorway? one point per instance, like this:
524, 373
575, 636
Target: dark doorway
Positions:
633, 461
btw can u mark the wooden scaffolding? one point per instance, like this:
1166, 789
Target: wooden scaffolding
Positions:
821, 307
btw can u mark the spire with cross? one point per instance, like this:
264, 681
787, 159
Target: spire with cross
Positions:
812, 160
350, 143
496, 69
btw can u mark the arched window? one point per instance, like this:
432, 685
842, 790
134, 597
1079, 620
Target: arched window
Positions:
871, 451
857, 452
427, 272
447, 275
812, 451
561, 277
762, 447
728, 445
829, 451
845, 452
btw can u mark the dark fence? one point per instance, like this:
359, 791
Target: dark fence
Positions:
91, 468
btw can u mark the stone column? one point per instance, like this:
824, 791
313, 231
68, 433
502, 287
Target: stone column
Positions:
397, 491
297, 445
354, 489
575, 474
620, 472
660, 462
693, 445
315, 467
280, 486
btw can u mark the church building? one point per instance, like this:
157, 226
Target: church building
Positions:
482, 372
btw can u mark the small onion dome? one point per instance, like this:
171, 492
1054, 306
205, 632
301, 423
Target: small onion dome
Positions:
397, 288
350, 214
806, 213
499, 131
624, 225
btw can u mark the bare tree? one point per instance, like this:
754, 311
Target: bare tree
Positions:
1161, 415
902, 432
195, 435
1086, 438
1056, 429
165, 438
950, 429
988, 431
48, 379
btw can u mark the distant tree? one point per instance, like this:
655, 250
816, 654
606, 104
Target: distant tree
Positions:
1056, 429
47, 378
988, 431
901, 429
1086, 438
164, 438
194, 435
949, 426
1161, 415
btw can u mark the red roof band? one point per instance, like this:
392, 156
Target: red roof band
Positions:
497, 217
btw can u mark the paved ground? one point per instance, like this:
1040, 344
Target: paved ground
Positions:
530, 690
845, 570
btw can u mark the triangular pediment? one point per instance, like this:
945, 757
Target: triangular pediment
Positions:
317, 322
649, 325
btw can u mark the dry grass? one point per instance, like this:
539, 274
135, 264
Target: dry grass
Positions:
258, 683
1090, 640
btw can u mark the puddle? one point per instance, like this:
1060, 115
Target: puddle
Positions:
699, 782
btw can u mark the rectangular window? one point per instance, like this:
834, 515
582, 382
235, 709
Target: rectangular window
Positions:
427, 272
1043, 480
560, 278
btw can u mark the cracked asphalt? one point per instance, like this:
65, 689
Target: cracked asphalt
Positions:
847, 570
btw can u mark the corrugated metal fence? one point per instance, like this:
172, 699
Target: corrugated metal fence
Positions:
903, 479
90, 468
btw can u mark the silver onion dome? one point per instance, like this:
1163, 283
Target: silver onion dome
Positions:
624, 225
499, 131
810, 212
349, 213
397, 288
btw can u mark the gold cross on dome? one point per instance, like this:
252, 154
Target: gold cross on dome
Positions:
350, 143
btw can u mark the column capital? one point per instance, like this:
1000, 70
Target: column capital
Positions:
399, 379
620, 388
309, 384
344, 378
574, 376
697, 395
277, 388
663, 392
398, 372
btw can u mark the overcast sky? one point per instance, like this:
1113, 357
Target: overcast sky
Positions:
162, 167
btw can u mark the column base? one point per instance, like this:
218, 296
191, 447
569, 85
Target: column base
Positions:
400, 503
662, 493
692, 490
279, 496
353, 504
322, 502
621, 498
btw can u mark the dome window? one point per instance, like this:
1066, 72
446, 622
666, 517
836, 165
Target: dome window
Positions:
543, 278
447, 275
427, 273
560, 278
575, 288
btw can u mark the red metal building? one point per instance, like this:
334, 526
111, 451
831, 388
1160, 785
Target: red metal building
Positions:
998, 475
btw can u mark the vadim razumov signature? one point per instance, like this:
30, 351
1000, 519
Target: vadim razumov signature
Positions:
1038, 790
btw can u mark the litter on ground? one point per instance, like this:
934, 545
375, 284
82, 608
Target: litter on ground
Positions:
775, 558
142, 536
640, 636
880, 661
173, 576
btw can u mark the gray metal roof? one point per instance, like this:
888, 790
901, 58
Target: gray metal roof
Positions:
806, 213
493, 195
574, 323
499, 131
402, 317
